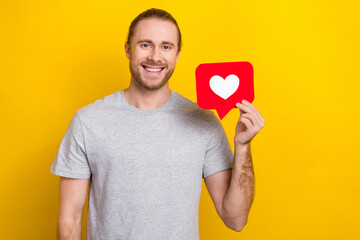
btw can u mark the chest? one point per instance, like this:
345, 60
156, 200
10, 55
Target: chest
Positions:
137, 147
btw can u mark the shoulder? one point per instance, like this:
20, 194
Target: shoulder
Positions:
194, 113
101, 107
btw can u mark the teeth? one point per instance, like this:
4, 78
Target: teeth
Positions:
153, 69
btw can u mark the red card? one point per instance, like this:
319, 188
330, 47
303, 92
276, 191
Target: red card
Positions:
220, 86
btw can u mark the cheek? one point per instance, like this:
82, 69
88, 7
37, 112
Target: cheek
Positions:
139, 55
170, 57
172, 61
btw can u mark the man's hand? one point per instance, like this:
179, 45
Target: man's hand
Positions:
249, 124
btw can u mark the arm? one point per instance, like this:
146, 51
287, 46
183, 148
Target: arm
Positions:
73, 194
232, 191
240, 195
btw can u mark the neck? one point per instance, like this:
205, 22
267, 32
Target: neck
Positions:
145, 99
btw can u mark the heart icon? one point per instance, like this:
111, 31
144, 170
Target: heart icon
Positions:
224, 88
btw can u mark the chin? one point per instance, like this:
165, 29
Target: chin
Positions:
150, 85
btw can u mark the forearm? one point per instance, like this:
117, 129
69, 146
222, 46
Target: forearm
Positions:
69, 229
240, 194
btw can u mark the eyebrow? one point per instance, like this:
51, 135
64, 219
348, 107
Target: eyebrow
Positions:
149, 41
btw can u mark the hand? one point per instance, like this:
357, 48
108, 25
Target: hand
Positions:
249, 124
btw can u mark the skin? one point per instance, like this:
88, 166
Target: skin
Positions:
73, 194
154, 44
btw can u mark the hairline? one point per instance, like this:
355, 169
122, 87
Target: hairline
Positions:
173, 21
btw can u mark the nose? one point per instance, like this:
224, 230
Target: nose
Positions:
155, 55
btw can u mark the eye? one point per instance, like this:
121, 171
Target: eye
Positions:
145, 45
166, 47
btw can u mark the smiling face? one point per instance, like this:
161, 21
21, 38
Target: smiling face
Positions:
153, 52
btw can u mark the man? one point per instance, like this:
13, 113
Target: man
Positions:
147, 148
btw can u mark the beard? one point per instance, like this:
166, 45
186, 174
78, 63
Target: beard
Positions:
135, 73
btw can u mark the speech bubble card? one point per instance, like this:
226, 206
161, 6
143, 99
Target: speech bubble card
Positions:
220, 86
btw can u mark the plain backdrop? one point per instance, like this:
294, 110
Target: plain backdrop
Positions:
59, 56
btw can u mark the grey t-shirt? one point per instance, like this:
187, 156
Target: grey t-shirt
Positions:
146, 166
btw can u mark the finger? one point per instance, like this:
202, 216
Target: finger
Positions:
252, 107
249, 108
245, 108
253, 120
248, 123
255, 111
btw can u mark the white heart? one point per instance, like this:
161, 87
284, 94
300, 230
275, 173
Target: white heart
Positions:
224, 88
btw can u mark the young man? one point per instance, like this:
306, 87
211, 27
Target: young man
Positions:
147, 148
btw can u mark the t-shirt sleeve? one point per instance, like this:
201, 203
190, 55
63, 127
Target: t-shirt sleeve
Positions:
218, 156
71, 160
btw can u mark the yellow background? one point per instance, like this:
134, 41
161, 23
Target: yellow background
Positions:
58, 56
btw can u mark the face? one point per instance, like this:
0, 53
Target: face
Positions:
153, 52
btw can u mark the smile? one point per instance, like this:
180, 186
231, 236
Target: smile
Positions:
152, 69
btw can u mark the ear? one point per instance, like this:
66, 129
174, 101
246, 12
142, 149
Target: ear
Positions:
177, 56
127, 50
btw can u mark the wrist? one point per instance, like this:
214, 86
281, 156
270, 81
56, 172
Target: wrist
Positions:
242, 158
241, 146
